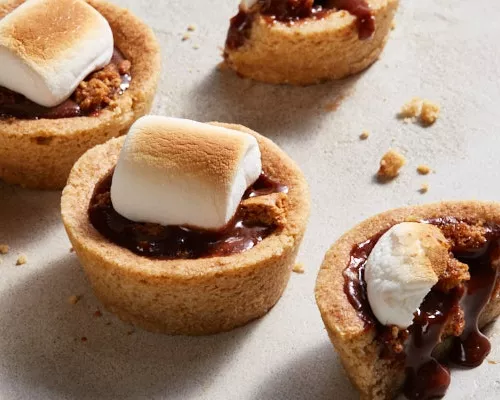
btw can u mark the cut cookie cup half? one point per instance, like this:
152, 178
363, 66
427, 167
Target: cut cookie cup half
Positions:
187, 296
39, 153
383, 360
326, 45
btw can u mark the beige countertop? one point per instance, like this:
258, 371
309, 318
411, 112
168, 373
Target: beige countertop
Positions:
447, 51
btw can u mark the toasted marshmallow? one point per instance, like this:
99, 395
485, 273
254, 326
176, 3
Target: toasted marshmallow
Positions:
404, 265
47, 47
180, 172
248, 4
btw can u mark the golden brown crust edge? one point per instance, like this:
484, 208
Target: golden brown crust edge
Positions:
192, 297
40, 154
311, 52
358, 350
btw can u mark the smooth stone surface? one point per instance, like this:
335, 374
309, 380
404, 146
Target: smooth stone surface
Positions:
446, 51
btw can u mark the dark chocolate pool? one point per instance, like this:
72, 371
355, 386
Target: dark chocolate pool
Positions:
178, 242
296, 11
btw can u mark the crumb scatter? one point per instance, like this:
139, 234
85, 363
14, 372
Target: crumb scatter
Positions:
412, 108
424, 188
430, 112
423, 169
390, 164
298, 268
364, 135
21, 260
424, 110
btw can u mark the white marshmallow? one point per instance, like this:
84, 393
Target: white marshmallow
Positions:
248, 4
180, 172
401, 270
47, 47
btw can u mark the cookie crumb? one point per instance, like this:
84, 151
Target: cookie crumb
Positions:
4, 248
185, 37
298, 268
71, 250
393, 25
424, 188
430, 112
21, 260
390, 164
73, 299
83, 339
364, 135
423, 169
196, 46
98, 314
191, 27
493, 362
412, 108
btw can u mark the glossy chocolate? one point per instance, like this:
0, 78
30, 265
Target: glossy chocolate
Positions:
426, 377
294, 11
178, 242
472, 347
15, 105
354, 281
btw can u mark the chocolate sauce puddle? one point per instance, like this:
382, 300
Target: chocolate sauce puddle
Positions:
178, 242
15, 105
426, 377
293, 11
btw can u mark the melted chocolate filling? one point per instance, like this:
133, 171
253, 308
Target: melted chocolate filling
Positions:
292, 11
15, 105
179, 242
426, 377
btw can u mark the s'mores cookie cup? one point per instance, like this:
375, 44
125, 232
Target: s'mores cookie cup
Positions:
303, 42
74, 74
184, 227
405, 294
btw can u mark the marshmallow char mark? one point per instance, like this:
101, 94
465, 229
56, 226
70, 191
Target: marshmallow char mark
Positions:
294, 11
450, 310
180, 172
47, 47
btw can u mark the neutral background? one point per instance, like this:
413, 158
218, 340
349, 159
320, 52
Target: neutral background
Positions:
447, 51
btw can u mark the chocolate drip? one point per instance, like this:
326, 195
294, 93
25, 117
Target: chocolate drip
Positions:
178, 242
426, 377
293, 11
472, 347
15, 105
